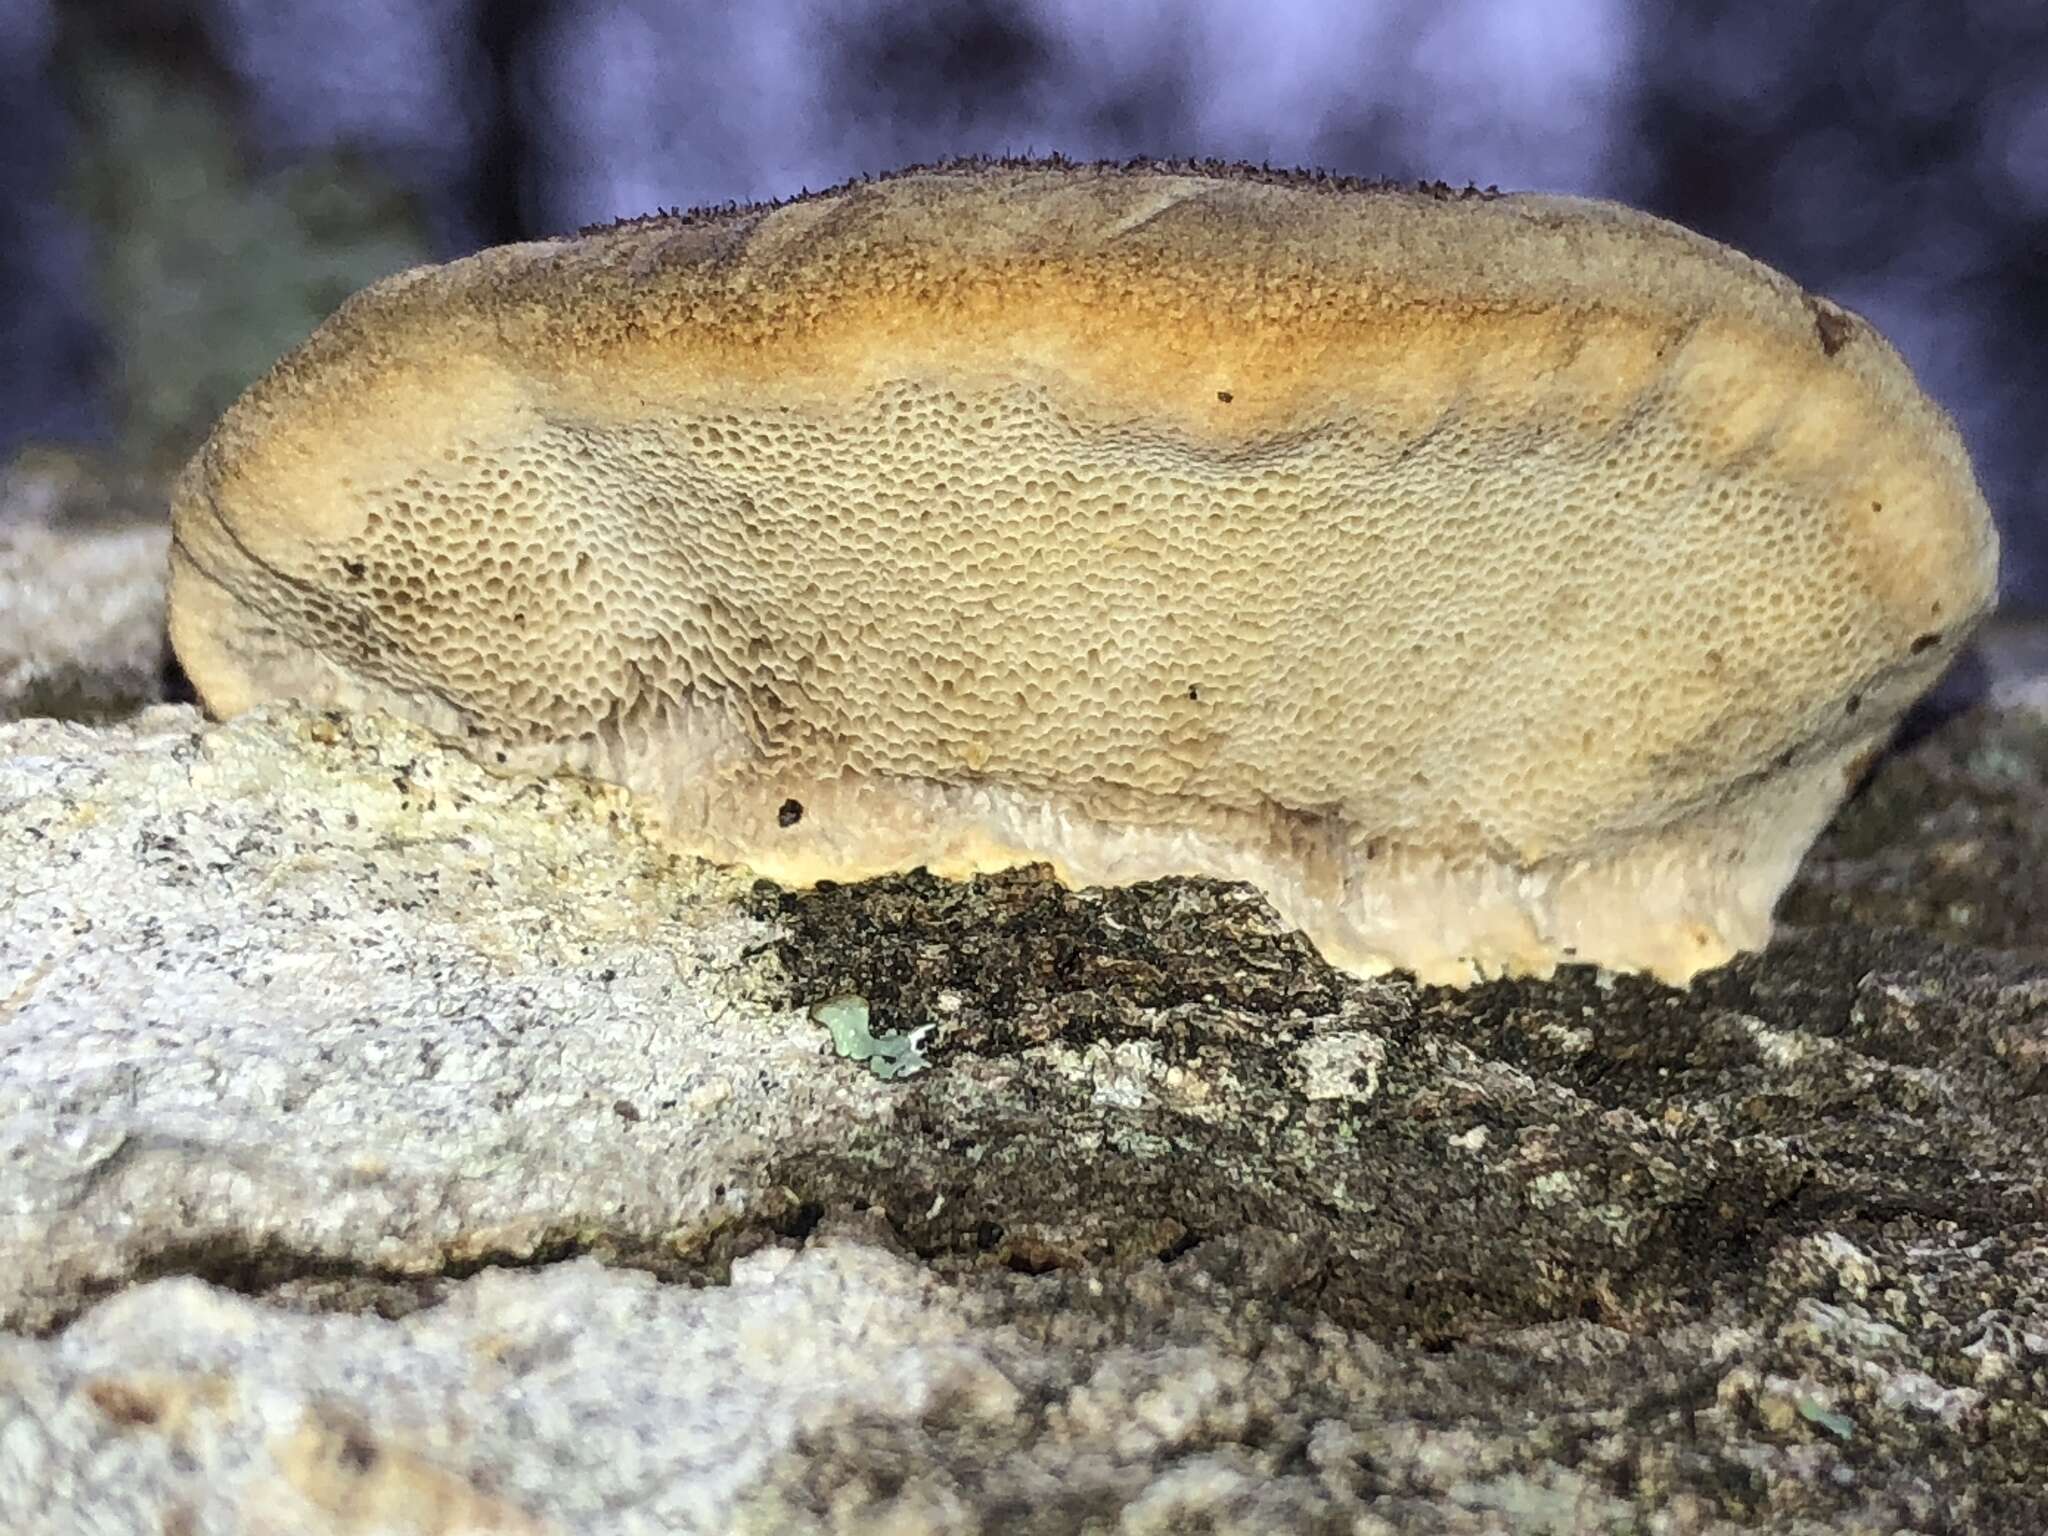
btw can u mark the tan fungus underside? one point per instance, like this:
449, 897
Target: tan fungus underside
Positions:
1480, 633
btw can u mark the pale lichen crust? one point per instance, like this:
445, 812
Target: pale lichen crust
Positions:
1494, 581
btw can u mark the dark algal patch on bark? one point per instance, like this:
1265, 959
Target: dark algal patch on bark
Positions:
1015, 960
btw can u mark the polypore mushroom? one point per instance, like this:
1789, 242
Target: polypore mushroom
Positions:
1493, 581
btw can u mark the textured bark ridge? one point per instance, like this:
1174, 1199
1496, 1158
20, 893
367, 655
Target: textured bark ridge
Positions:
1492, 581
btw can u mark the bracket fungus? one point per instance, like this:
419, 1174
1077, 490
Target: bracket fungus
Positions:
1492, 580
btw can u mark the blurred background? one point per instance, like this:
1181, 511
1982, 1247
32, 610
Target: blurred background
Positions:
187, 186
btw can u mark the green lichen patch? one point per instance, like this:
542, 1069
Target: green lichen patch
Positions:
887, 1056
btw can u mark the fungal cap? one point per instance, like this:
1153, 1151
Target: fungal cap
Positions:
1494, 581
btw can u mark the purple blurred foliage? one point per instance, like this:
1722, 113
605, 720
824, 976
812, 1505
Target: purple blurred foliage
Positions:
51, 386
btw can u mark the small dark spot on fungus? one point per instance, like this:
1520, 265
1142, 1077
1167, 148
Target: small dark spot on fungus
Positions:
790, 814
1924, 643
1832, 326
627, 1111
358, 1451
122, 1403
1225, 396
355, 569
1855, 702
1194, 693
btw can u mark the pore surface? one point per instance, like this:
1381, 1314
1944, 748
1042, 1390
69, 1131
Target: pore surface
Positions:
1487, 638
